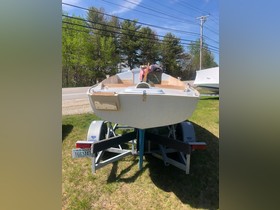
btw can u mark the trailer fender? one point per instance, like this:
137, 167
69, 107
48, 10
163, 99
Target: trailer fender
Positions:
187, 132
97, 130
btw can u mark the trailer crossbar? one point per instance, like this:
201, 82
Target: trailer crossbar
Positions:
114, 141
169, 142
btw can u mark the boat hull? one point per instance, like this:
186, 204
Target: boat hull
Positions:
207, 79
125, 100
144, 111
212, 88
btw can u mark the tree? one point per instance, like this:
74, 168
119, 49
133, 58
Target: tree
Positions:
107, 53
171, 52
102, 49
129, 44
185, 61
74, 54
96, 20
148, 46
207, 56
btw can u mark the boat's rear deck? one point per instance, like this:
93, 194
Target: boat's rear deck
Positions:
112, 89
126, 85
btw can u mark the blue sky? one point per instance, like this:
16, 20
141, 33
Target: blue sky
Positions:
176, 16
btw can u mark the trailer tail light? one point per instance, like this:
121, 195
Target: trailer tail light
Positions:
83, 144
197, 145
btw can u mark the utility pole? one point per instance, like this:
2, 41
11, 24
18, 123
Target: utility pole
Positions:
202, 21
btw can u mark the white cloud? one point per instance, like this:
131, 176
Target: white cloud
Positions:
74, 2
126, 6
69, 8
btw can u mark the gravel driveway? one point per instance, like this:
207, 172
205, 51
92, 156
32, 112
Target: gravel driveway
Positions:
77, 106
75, 101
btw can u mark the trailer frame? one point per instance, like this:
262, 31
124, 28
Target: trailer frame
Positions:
102, 137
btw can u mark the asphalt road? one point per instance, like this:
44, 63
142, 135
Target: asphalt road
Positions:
75, 101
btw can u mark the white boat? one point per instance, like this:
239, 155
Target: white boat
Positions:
123, 99
207, 79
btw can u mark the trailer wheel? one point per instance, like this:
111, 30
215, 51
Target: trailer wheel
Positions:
179, 132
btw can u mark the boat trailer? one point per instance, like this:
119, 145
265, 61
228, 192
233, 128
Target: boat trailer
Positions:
173, 144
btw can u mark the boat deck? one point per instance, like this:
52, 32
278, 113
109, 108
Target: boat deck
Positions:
120, 88
122, 85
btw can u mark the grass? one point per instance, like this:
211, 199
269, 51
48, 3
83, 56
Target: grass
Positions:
121, 185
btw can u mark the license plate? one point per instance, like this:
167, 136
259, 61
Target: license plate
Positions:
80, 153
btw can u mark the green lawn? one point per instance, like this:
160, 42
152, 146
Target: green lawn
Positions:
122, 186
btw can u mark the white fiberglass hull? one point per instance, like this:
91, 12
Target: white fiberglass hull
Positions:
143, 107
208, 79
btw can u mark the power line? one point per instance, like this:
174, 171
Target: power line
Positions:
200, 11
146, 24
142, 12
186, 6
157, 11
213, 19
115, 27
213, 47
74, 29
211, 30
195, 8
159, 4
112, 26
116, 32
161, 41
150, 25
192, 7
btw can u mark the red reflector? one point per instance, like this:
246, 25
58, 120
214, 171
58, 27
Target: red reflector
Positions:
202, 147
198, 145
83, 144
